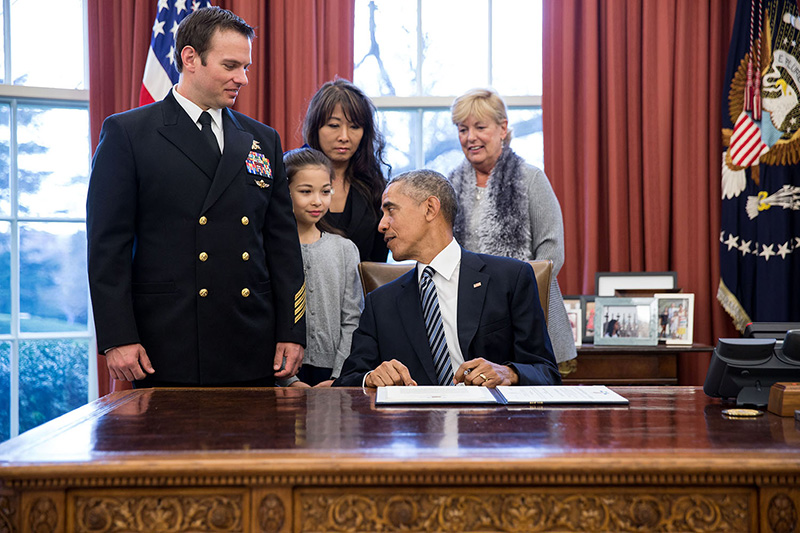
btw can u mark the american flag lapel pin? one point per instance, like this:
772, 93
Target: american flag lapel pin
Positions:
476, 285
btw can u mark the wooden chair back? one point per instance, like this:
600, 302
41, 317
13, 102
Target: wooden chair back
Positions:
374, 274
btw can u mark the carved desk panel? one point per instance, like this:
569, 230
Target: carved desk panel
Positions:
291, 460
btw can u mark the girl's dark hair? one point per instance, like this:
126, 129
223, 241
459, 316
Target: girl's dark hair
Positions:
297, 160
364, 168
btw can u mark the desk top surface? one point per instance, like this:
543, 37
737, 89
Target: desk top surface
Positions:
659, 349
676, 424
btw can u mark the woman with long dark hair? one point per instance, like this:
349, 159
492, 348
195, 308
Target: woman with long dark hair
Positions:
340, 122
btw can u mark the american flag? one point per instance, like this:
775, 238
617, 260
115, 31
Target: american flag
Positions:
160, 73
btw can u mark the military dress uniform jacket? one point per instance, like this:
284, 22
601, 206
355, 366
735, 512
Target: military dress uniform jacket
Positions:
197, 261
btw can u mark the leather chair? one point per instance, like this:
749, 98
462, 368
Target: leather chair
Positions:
373, 275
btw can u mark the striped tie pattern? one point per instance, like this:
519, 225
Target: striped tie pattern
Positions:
435, 329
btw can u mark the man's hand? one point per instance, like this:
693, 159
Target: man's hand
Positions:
289, 356
128, 362
326, 383
483, 373
389, 373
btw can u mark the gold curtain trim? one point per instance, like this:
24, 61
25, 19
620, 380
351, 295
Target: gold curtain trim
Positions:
732, 306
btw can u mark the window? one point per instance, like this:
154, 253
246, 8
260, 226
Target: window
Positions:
46, 336
413, 57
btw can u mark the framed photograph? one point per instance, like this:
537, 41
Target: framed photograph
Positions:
675, 317
607, 283
575, 315
587, 305
625, 321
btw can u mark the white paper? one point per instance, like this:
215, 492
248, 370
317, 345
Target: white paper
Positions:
434, 394
553, 394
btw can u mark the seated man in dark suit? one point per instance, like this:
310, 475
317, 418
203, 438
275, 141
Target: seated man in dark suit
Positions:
458, 317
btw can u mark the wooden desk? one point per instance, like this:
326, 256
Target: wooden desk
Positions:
280, 460
630, 365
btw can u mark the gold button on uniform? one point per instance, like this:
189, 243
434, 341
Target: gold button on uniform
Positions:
245, 256
203, 256
245, 221
245, 292
203, 221
203, 293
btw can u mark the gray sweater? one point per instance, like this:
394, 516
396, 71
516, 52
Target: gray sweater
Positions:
528, 226
334, 300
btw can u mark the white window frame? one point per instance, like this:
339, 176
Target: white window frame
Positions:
442, 103
14, 96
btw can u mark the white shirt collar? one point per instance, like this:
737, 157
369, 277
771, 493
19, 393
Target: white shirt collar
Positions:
194, 111
445, 263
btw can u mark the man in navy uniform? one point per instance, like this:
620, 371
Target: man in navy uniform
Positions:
458, 317
195, 268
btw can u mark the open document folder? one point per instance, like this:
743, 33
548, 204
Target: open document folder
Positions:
534, 395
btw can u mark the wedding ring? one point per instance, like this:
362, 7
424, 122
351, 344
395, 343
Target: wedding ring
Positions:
484, 377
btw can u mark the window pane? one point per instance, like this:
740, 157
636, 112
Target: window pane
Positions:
527, 139
5, 277
5, 159
440, 141
53, 379
517, 47
47, 45
5, 391
397, 126
53, 280
2, 46
455, 36
386, 52
53, 161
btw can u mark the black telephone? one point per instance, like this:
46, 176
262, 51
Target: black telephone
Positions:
745, 369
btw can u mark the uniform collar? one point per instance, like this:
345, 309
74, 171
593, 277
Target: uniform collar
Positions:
194, 111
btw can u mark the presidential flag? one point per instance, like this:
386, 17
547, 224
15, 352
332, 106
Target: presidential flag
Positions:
160, 73
760, 237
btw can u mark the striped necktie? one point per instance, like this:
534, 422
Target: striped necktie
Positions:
435, 329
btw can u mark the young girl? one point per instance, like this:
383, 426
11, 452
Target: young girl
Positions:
333, 288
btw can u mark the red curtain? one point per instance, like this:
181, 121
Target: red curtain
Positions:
631, 118
299, 45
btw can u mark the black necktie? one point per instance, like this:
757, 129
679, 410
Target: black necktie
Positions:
205, 121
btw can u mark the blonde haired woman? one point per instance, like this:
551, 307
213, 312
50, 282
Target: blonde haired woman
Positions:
506, 206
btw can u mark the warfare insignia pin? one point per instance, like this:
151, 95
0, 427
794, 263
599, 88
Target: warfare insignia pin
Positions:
261, 183
255, 145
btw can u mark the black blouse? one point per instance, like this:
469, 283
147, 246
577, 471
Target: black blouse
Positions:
359, 223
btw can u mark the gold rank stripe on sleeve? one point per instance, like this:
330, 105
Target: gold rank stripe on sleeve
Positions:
300, 304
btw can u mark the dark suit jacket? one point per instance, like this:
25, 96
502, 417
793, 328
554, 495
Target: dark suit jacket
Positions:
500, 320
165, 222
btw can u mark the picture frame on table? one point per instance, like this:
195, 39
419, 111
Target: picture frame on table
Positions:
574, 308
675, 318
626, 321
607, 283
587, 305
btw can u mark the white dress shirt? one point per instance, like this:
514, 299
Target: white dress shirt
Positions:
446, 266
194, 112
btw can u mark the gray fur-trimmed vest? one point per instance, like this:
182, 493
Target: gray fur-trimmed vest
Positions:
506, 227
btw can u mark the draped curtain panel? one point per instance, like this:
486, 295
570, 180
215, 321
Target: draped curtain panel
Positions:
631, 118
299, 45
